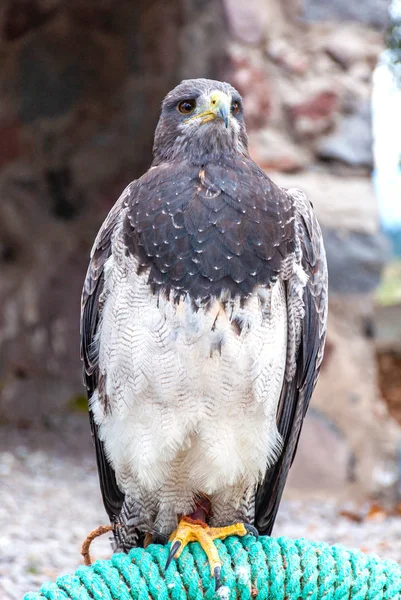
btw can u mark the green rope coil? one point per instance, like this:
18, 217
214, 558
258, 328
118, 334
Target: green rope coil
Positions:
270, 568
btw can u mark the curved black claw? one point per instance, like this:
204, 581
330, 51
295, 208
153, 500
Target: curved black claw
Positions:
217, 581
252, 530
173, 551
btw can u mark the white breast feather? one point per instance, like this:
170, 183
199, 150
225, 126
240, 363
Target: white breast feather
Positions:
178, 408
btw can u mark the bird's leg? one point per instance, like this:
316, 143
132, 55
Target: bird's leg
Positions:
193, 528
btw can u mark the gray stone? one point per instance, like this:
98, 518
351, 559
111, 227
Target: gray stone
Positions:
352, 45
343, 203
47, 88
87, 115
347, 395
351, 142
247, 20
388, 328
273, 150
310, 467
355, 260
369, 12
203, 41
80, 98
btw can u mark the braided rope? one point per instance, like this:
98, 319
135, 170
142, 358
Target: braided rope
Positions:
270, 568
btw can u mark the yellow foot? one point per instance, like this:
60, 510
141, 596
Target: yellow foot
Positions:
190, 530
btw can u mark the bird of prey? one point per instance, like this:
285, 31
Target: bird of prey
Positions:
202, 333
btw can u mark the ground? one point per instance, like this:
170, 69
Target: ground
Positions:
50, 500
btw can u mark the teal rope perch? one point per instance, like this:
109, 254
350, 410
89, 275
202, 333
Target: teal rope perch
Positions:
270, 568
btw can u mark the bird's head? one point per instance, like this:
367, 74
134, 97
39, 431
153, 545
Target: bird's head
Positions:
200, 120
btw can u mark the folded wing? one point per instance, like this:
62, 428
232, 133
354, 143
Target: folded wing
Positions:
306, 286
91, 308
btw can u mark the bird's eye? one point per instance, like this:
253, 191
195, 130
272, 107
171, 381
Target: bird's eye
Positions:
235, 107
187, 106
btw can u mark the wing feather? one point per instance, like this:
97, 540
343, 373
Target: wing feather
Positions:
307, 314
91, 307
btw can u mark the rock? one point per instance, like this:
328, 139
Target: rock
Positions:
310, 471
352, 44
365, 437
247, 20
351, 141
321, 105
87, 106
313, 115
341, 203
49, 87
355, 260
81, 91
287, 57
369, 12
274, 151
199, 48
388, 335
252, 82
91, 13
22, 16
11, 146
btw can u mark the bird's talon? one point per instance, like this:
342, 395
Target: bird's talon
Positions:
192, 530
252, 530
216, 574
173, 551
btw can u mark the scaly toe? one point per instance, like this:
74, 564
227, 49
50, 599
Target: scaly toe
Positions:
220, 533
190, 530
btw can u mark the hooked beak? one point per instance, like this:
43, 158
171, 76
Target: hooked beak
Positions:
219, 108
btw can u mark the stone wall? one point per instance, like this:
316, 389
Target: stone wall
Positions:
80, 90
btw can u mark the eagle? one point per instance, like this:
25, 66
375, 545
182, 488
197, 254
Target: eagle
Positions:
202, 333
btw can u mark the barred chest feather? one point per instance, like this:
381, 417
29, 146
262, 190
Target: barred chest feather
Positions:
187, 393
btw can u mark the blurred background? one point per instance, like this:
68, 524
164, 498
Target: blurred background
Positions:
81, 83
